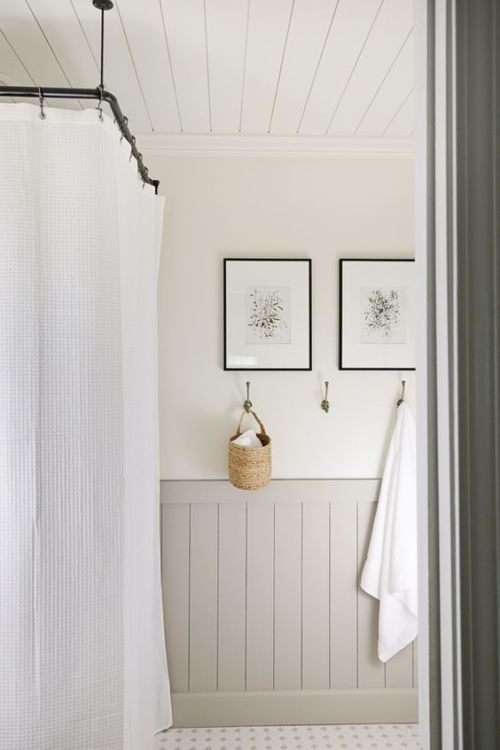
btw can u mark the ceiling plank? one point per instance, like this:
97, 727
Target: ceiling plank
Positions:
352, 24
226, 35
32, 46
12, 70
385, 43
267, 33
119, 73
234, 67
393, 91
185, 31
62, 30
143, 26
402, 122
309, 31
65, 36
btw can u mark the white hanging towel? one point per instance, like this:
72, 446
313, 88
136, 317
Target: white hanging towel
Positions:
390, 571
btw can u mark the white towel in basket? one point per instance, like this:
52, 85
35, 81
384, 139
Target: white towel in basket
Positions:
248, 439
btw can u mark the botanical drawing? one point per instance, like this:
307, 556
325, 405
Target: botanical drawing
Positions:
268, 315
382, 315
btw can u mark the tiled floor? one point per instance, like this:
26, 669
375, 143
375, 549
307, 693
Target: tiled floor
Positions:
342, 737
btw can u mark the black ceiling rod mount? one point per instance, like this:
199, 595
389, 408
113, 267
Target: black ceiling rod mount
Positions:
102, 5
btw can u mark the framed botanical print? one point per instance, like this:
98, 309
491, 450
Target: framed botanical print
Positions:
267, 314
377, 328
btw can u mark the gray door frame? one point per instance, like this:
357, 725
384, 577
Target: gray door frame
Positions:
458, 384
477, 43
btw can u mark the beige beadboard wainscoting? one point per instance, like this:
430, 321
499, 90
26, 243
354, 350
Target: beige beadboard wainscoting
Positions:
265, 621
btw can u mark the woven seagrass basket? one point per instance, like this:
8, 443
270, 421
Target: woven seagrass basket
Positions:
250, 468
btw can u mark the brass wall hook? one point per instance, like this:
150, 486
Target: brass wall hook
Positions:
403, 386
248, 404
325, 404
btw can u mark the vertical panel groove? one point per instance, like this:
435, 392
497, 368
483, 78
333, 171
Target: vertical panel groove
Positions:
246, 596
162, 546
301, 596
204, 598
260, 596
274, 596
249, 625
189, 604
217, 595
175, 589
371, 669
357, 598
413, 664
330, 595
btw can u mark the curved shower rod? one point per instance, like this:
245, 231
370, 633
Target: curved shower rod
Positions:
99, 94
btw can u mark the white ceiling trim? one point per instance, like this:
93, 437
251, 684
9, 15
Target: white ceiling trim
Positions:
271, 145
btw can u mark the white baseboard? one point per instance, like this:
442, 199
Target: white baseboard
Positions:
289, 707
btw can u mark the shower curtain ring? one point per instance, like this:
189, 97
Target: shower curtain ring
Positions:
99, 106
132, 144
123, 125
115, 122
40, 99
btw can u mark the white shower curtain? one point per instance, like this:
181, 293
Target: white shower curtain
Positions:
82, 658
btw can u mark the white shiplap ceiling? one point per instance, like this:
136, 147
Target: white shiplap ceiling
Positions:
331, 72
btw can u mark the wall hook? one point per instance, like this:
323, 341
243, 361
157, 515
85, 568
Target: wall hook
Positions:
403, 386
325, 404
248, 404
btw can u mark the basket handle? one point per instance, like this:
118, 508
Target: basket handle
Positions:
254, 415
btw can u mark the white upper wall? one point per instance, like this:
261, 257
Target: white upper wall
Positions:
320, 208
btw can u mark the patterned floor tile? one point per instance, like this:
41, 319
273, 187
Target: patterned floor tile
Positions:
341, 737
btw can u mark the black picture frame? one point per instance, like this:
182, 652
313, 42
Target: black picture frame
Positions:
342, 366
308, 263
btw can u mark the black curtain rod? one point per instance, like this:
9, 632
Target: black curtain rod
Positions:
99, 94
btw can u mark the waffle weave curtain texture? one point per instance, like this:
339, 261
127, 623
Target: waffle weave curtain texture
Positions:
82, 657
